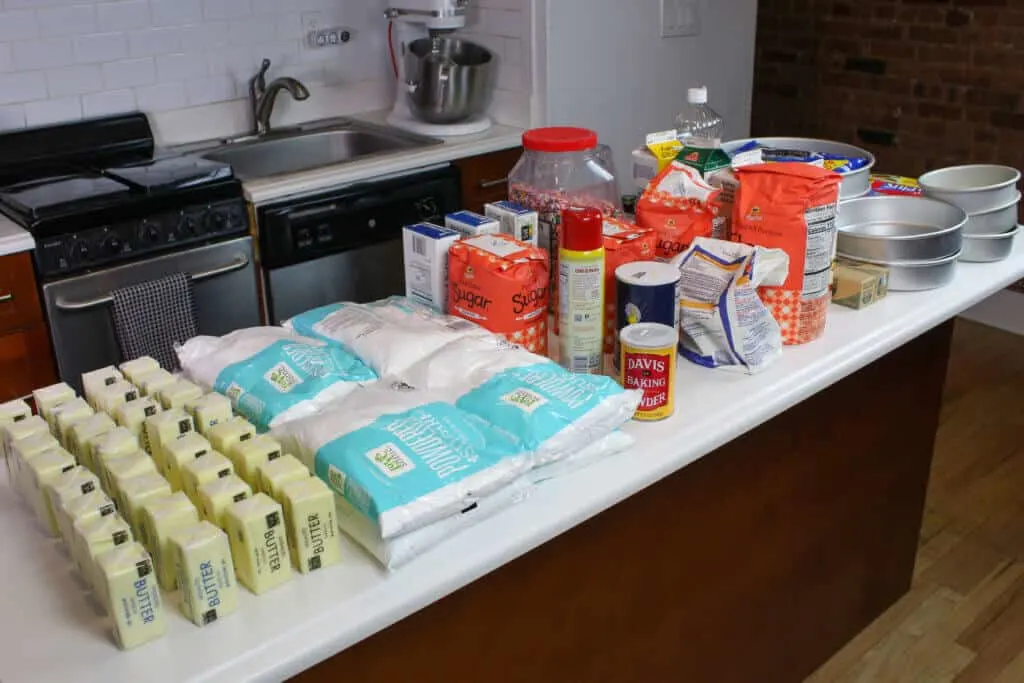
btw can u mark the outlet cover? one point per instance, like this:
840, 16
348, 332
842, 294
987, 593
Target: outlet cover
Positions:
680, 18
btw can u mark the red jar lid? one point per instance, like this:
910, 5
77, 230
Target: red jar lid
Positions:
582, 229
559, 139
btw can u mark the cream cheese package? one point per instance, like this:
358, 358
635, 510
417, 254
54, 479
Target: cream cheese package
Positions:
202, 471
96, 380
180, 452
164, 428
217, 496
309, 518
84, 435
153, 381
270, 374
118, 470
259, 543
134, 492
274, 474
82, 509
249, 454
226, 435
134, 369
179, 393
48, 398
67, 415
96, 536
129, 590
43, 470
208, 411
133, 415
109, 398
160, 517
201, 556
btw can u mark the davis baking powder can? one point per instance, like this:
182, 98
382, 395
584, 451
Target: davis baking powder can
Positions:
648, 359
648, 292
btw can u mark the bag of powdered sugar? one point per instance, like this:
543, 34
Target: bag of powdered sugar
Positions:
272, 375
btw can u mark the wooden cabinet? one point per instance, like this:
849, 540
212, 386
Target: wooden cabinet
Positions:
26, 359
485, 177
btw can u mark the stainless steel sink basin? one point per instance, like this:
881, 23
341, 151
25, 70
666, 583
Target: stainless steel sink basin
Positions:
302, 149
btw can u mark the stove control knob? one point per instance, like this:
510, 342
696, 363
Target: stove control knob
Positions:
188, 226
80, 251
149, 233
112, 246
215, 221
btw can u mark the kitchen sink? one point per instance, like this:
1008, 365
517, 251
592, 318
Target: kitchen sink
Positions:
305, 148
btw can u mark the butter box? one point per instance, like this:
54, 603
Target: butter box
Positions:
515, 219
163, 428
201, 471
134, 369
248, 455
470, 224
426, 263
118, 470
209, 410
116, 443
133, 415
161, 516
153, 381
67, 415
42, 471
177, 394
95, 536
69, 485
16, 430
259, 543
128, 589
11, 412
274, 474
225, 435
132, 493
216, 496
97, 379
84, 435
23, 450
312, 530
108, 399
180, 452
855, 286
82, 509
48, 398
201, 555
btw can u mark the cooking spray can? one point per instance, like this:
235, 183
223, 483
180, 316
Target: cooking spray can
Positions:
581, 291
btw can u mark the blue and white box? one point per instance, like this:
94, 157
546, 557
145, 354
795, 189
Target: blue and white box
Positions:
516, 220
426, 263
470, 224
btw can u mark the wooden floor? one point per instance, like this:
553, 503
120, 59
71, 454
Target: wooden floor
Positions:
963, 621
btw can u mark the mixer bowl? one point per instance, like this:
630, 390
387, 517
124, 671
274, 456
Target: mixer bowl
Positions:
448, 80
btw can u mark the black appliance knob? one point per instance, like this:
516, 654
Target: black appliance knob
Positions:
215, 221
112, 246
80, 251
149, 233
188, 226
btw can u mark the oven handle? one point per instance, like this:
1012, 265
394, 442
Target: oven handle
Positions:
240, 262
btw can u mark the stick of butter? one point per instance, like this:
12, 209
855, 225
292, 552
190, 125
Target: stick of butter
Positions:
312, 531
225, 435
14, 431
216, 496
163, 428
48, 398
249, 454
109, 399
95, 536
11, 412
206, 574
23, 450
135, 491
209, 410
202, 471
153, 381
134, 369
180, 452
259, 543
179, 393
161, 516
92, 505
67, 415
43, 470
274, 474
83, 435
96, 380
74, 483
116, 443
118, 470
129, 590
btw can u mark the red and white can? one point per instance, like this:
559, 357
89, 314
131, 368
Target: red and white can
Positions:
648, 361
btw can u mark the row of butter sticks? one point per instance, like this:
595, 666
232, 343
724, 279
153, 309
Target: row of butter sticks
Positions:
152, 447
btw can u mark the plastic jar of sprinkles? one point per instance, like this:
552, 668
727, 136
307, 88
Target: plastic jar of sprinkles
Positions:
648, 359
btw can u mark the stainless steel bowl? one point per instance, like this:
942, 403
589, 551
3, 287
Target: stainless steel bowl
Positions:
900, 229
995, 221
856, 184
989, 248
448, 80
916, 276
975, 189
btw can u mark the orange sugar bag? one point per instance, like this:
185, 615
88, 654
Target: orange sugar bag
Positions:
678, 205
623, 243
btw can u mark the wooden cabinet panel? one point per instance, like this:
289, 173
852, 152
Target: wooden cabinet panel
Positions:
19, 301
26, 362
485, 177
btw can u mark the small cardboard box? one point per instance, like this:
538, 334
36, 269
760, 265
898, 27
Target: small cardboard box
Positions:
426, 264
859, 285
470, 224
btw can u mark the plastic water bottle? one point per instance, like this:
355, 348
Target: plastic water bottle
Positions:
698, 124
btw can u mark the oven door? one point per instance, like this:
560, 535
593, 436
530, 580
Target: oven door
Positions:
80, 314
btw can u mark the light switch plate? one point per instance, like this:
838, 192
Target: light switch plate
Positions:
680, 18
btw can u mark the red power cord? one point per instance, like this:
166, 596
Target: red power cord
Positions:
391, 48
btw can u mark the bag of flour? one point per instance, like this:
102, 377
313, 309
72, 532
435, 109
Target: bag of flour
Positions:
272, 375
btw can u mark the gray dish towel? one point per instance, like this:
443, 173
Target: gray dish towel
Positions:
151, 317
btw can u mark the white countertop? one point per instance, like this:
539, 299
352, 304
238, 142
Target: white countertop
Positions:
49, 633
267, 190
14, 239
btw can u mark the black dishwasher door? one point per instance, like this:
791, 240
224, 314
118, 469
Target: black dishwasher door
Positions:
346, 245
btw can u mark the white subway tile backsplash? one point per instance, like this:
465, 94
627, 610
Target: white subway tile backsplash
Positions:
66, 21
211, 89
18, 25
6, 58
237, 60
513, 51
181, 66
53, 111
128, 73
176, 12
109, 102
100, 47
74, 80
253, 30
162, 97
154, 41
226, 9
12, 116
43, 53
205, 36
23, 86
122, 16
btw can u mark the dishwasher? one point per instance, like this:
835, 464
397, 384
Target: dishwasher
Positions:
346, 244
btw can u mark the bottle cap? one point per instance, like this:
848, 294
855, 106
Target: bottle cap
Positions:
697, 95
559, 139
582, 229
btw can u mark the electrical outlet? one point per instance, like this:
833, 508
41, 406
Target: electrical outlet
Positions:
320, 31
680, 18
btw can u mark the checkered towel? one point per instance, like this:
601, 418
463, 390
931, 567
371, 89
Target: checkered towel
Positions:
150, 318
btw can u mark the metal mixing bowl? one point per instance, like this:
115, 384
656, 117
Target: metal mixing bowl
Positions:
894, 229
976, 188
448, 80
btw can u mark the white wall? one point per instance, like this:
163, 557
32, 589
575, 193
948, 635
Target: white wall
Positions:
607, 67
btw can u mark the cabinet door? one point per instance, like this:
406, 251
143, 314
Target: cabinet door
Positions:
19, 301
26, 362
485, 177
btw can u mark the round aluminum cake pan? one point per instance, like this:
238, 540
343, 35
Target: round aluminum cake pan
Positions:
900, 229
916, 276
997, 221
976, 188
855, 184
989, 248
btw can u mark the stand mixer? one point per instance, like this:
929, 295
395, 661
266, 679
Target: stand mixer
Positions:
413, 20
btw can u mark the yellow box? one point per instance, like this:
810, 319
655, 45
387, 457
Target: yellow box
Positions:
857, 285
165, 427
118, 470
249, 454
312, 530
133, 492
259, 543
116, 443
96, 536
23, 450
216, 496
205, 572
83, 435
13, 431
85, 508
109, 399
48, 398
98, 379
208, 411
225, 435
42, 471
67, 415
153, 381
274, 474
201, 471
69, 485
129, 590
11, 412
161, 516
180, 452
134, 369
179, 393
133, 415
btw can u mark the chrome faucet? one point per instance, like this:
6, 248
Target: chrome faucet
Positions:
263, 96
